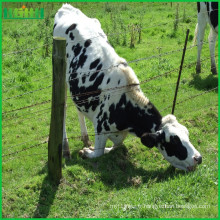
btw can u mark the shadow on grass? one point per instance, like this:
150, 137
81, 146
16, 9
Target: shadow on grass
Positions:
46, 197
117, 171
210, 82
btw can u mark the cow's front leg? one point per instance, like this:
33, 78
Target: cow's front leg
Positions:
100, 141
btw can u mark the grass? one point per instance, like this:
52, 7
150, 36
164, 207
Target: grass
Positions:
132, 181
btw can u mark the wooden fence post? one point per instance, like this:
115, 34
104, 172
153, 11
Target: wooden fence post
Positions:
57, 110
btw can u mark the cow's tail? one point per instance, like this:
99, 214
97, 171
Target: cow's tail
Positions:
195, 35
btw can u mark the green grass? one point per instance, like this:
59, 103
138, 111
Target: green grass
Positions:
132, 181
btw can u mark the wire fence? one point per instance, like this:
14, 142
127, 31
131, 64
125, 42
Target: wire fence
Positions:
12, 117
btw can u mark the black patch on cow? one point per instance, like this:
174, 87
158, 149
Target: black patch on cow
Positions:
103, 122
119, 81
99, 67
66, 44
87, 43
175, 148
84, 79
67, 55
94, 64
93, 76
81, 94
77, 49
71, 36
125, 115
214, 14
108, 80
70, 28
198, 7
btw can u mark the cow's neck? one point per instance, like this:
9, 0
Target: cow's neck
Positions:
137, 115
145, 119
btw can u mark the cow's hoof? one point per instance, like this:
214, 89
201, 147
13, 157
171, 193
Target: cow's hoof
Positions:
85, 152
198, 69
82, 154
91, 148
67, 155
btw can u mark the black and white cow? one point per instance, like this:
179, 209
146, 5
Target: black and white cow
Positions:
207, 13
106, 90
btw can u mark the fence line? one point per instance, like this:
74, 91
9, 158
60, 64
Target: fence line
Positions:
93, 134
24, 119
111, 34
25, 107
144, 28
108, 90
27, 155
25, 149
16, 145
191, 97
26, 93
21, 51
112, 66
26, 83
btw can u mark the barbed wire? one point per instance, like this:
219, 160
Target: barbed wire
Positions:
21, 51
26, 93
143, 28
25, 107
103, 133
25, 149
111, 34
26, 83
191, 97
97, 92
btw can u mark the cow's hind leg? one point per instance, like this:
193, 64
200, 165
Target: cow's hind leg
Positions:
212, 39
200, 37
100, 141
84, 133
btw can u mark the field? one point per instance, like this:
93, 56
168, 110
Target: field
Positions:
132, 181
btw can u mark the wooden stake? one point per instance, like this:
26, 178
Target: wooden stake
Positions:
57, 110
180, 71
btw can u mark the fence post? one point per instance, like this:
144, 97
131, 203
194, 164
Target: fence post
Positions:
57, 110
180, 71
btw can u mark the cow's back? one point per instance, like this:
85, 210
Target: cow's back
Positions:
92, 63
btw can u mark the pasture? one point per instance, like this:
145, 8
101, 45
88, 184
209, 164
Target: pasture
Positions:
132, 181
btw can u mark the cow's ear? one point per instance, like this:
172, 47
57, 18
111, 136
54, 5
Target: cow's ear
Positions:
151, 139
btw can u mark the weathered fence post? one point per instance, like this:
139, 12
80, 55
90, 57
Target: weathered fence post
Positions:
57, 110
180, 71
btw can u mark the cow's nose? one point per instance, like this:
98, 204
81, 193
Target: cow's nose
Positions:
198, 159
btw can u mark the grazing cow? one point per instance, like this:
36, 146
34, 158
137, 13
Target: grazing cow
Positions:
207, 13
106, 90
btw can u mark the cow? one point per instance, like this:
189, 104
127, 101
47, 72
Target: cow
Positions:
106, 91
207, 13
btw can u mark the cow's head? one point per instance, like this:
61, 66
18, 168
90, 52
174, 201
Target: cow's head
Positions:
172, 140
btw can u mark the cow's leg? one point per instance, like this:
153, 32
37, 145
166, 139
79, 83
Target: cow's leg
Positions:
65, 144
117, 140
84, 133
212, 39
100, 141
200, 37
